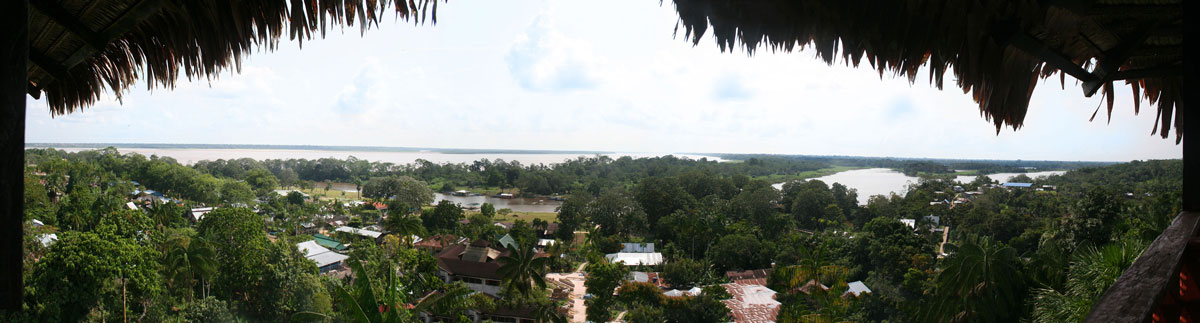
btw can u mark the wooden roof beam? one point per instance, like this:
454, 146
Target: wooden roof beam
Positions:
51, 67
132, 16
1152, 72
73, 26
1036, 48
1113, 60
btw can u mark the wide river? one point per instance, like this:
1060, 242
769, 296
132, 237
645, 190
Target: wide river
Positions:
883, 181
193, 155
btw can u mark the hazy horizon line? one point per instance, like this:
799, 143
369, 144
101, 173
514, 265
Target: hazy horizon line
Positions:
497, 151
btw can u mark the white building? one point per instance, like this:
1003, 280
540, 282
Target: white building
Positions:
857, 288
636, 254
197, 214
360, 232
636, 258
326, 259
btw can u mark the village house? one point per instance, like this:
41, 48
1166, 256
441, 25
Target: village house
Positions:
856, 289
750, 277
197, 214
329, 243
751, 303
646, 277
359, 234
636, 254
434, 244
1017, 185
475, 265
326, 260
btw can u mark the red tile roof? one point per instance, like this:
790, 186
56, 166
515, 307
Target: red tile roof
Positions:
750, 277
451, 261
751, 303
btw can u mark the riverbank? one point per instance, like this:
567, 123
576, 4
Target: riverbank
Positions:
783, 178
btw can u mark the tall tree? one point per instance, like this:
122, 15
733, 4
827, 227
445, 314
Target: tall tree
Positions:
522, 270
980, 283
443, 217
603, 279
233, 192
403, 226
1092, 271
240, 241
572, 215
262, 181
661, 196
615, 212
85, 271
189, 261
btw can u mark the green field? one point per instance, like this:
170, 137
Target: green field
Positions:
527, 216
322, 194
437, 184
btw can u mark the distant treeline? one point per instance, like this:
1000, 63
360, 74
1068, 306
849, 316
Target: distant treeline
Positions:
310, 147
592, 174
933, 165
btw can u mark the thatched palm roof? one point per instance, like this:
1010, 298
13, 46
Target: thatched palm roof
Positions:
996, 50
80, 48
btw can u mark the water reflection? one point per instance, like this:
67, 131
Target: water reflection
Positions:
883, 181
519, 204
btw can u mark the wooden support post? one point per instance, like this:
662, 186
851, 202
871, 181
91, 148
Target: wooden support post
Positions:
14, 54
1191, 146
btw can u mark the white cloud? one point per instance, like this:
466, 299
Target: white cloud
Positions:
574, 79
544, 59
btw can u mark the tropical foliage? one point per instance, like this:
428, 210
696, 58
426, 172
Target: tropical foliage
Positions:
1042, 254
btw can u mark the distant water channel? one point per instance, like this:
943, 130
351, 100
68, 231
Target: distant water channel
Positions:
883, 181
519, 204
1005, 177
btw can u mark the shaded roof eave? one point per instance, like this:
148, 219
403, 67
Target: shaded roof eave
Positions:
995, 50
80, 49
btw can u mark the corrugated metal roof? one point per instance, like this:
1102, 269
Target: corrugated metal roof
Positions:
311, 248
327, 258
635, 258
858, 288
361, 232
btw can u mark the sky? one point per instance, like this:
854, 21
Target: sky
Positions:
594, 76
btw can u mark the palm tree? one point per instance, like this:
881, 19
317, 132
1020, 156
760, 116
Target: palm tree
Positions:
362, 305
522, 269
403, 226
980, 283
1092, 271
190, 259
816, 304
164, 214
549, 313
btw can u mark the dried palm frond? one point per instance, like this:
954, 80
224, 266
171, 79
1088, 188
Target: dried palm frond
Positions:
195, 39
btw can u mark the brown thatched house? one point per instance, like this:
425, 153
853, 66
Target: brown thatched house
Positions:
69, 51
